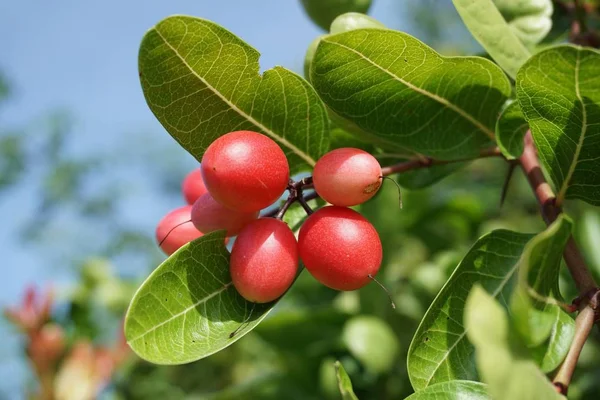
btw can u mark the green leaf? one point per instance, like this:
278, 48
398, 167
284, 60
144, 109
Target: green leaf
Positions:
202, 82
510, 131
403, 93
188, 309
502, 364
372, 342
530, 20
323, 12
344, 382
440, 351
453, 390
491, 30
559, 92
543, 325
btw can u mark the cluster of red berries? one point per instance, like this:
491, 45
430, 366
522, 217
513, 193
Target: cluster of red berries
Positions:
244, 172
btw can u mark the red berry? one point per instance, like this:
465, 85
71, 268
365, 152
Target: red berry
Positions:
193, 186
347, 176
264, 260
340, 248
176, 229
245, 171
209, 216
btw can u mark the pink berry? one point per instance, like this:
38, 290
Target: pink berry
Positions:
347, 176
193, 186
340, 248
245, 171
176, 229
264, 260
209, 216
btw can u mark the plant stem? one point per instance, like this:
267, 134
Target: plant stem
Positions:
546, 198
583, 326
419, 163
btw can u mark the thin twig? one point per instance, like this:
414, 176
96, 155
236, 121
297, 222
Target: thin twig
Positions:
583, 326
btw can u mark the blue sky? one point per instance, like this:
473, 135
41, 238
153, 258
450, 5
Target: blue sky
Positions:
81, 56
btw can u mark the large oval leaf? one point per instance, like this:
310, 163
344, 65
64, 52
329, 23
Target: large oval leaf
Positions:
395, 87
188, 309
440, 351
559, 92
201, 82
490, 29
453, 390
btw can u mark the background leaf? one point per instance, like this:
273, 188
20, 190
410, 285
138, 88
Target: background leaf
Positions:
405, 94
452, 390
502, 365
188, 308
372, 342
323, 12
440, 351
201, 82
542, 324
559, 92
492, 31
530, 20
344, 382
511, 128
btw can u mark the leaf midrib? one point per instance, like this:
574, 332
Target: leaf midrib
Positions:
308, 159
183, 312
424, 92
565, 185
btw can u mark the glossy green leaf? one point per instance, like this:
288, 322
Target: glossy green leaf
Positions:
440, 351
550, 354
559, 92
344, 382
188, 309
372, 342
323, 12
530, 20
202, 82
352, 21
491, 30
453, 390
502, 364
511, 128
404, 94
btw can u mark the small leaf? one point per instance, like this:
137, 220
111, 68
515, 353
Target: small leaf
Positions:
344, 382
509, 374
542, 324
372, 342
530, 20
440, 351
323, 12
452, 390
559, 92
491, 30
188, 309
202, 82
511, 128
405, 95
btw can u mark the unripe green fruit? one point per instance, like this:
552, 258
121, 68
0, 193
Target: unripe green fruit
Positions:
323, 12
352, 21
310, 55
